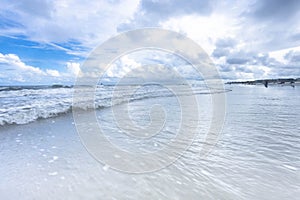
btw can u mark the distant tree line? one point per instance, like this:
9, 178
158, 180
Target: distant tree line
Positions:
266, 82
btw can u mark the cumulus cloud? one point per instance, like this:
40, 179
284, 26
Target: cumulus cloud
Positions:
12, 62
258, 65
13, 71
223, 47
52, 72
293, 56
152, 13
73, 68
289, 66
122, 67
272, 24
152, 66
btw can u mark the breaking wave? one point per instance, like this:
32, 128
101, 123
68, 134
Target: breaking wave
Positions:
24, 104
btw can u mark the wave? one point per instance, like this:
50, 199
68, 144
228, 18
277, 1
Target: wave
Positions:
31, 117
35, 87
21, 106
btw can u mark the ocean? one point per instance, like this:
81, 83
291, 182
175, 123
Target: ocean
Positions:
257, 154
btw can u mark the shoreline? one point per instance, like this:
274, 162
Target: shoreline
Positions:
266, 82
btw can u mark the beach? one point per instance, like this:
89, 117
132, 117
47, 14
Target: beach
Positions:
256, 157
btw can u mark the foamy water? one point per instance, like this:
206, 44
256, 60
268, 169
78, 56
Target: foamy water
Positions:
24, 104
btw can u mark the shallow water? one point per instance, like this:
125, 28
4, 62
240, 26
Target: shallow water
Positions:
257, 156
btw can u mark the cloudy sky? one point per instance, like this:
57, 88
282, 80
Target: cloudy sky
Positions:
46, 41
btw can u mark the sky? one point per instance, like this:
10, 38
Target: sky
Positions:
46, 42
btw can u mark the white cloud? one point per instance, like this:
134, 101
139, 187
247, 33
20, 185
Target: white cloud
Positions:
151, 66
205, 30
52, 72
14, 71
234, 33
12, 62
73, 68
84, 24
256, 28
122, 67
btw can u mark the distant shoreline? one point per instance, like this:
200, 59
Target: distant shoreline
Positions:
266, 82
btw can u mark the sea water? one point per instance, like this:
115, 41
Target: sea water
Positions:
256, 156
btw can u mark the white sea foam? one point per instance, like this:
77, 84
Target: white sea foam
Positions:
23, 105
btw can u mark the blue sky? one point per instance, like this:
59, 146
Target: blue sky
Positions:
44, 42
